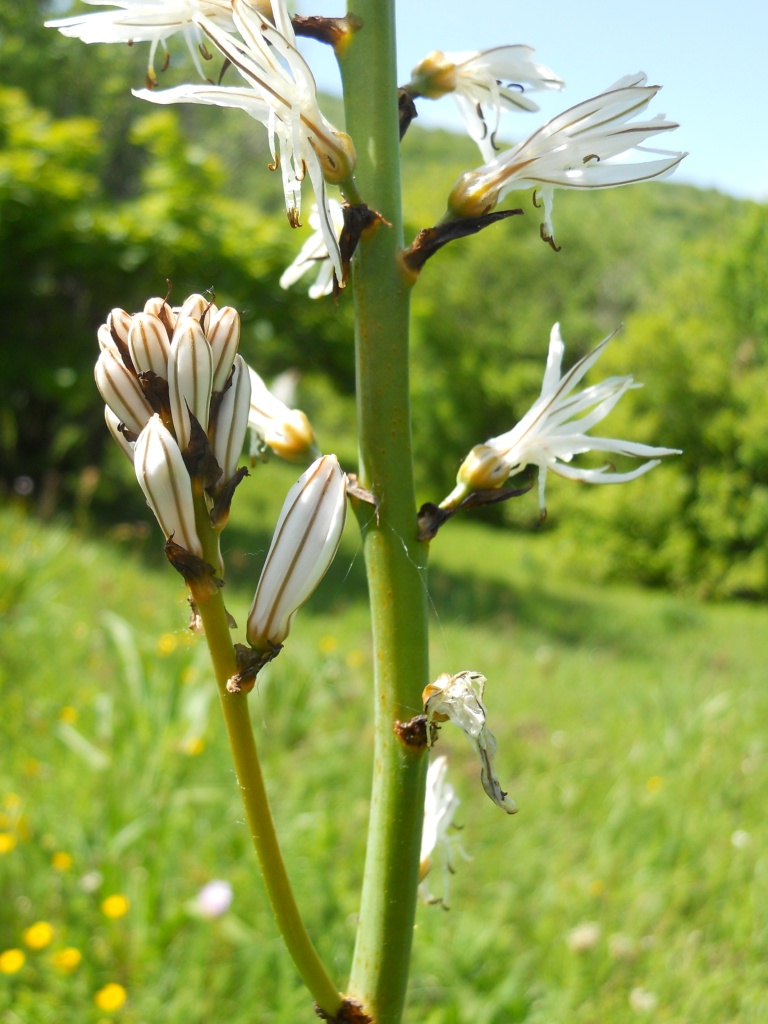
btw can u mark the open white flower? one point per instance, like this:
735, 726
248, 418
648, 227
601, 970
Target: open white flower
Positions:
141, 21
459, 699
555, 429
281, 93
477, 81
584, 147
313, 255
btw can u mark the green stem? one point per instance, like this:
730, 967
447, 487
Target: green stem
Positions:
395, 561
251, 783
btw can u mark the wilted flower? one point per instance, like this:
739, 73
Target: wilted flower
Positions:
554, 430
459, 699
440, 805
303, 546
286, 431
141, 21
280, 93
577, 149
313, 255
477, 80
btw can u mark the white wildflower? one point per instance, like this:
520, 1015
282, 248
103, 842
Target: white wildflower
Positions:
555, 429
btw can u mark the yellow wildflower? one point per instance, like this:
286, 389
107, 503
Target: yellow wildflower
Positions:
67, 959
166, 644
68, 714
11, 960
328, 644
115, 906
7, 842
111, 997
61, 861
38, 935
654, 784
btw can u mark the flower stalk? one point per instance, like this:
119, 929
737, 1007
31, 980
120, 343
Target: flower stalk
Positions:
252, 789
395, 560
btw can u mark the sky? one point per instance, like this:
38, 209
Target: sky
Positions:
706, 55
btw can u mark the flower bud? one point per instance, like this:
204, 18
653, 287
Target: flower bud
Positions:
149, 344
224, 337
119, 324
193, 306
121, 391
106, 340
232, 421
303, 546
160, 308
190, 374
167, 487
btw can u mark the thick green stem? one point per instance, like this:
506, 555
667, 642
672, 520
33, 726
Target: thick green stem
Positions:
253, 791
395, 561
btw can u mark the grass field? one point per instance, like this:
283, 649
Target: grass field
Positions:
632, 885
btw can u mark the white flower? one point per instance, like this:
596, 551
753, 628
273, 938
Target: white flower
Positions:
459, 699
440, 805
286, 431
642, 1000
579, 148
141, 21
303, 546
584, 937
281, 93
476, 79
314, 254
213, 900
554, 430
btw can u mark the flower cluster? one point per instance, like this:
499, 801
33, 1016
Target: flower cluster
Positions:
177, 400
281, 93
279, 89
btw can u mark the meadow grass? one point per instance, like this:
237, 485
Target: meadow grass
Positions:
632, 885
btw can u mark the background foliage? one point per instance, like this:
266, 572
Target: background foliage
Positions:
100, 205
